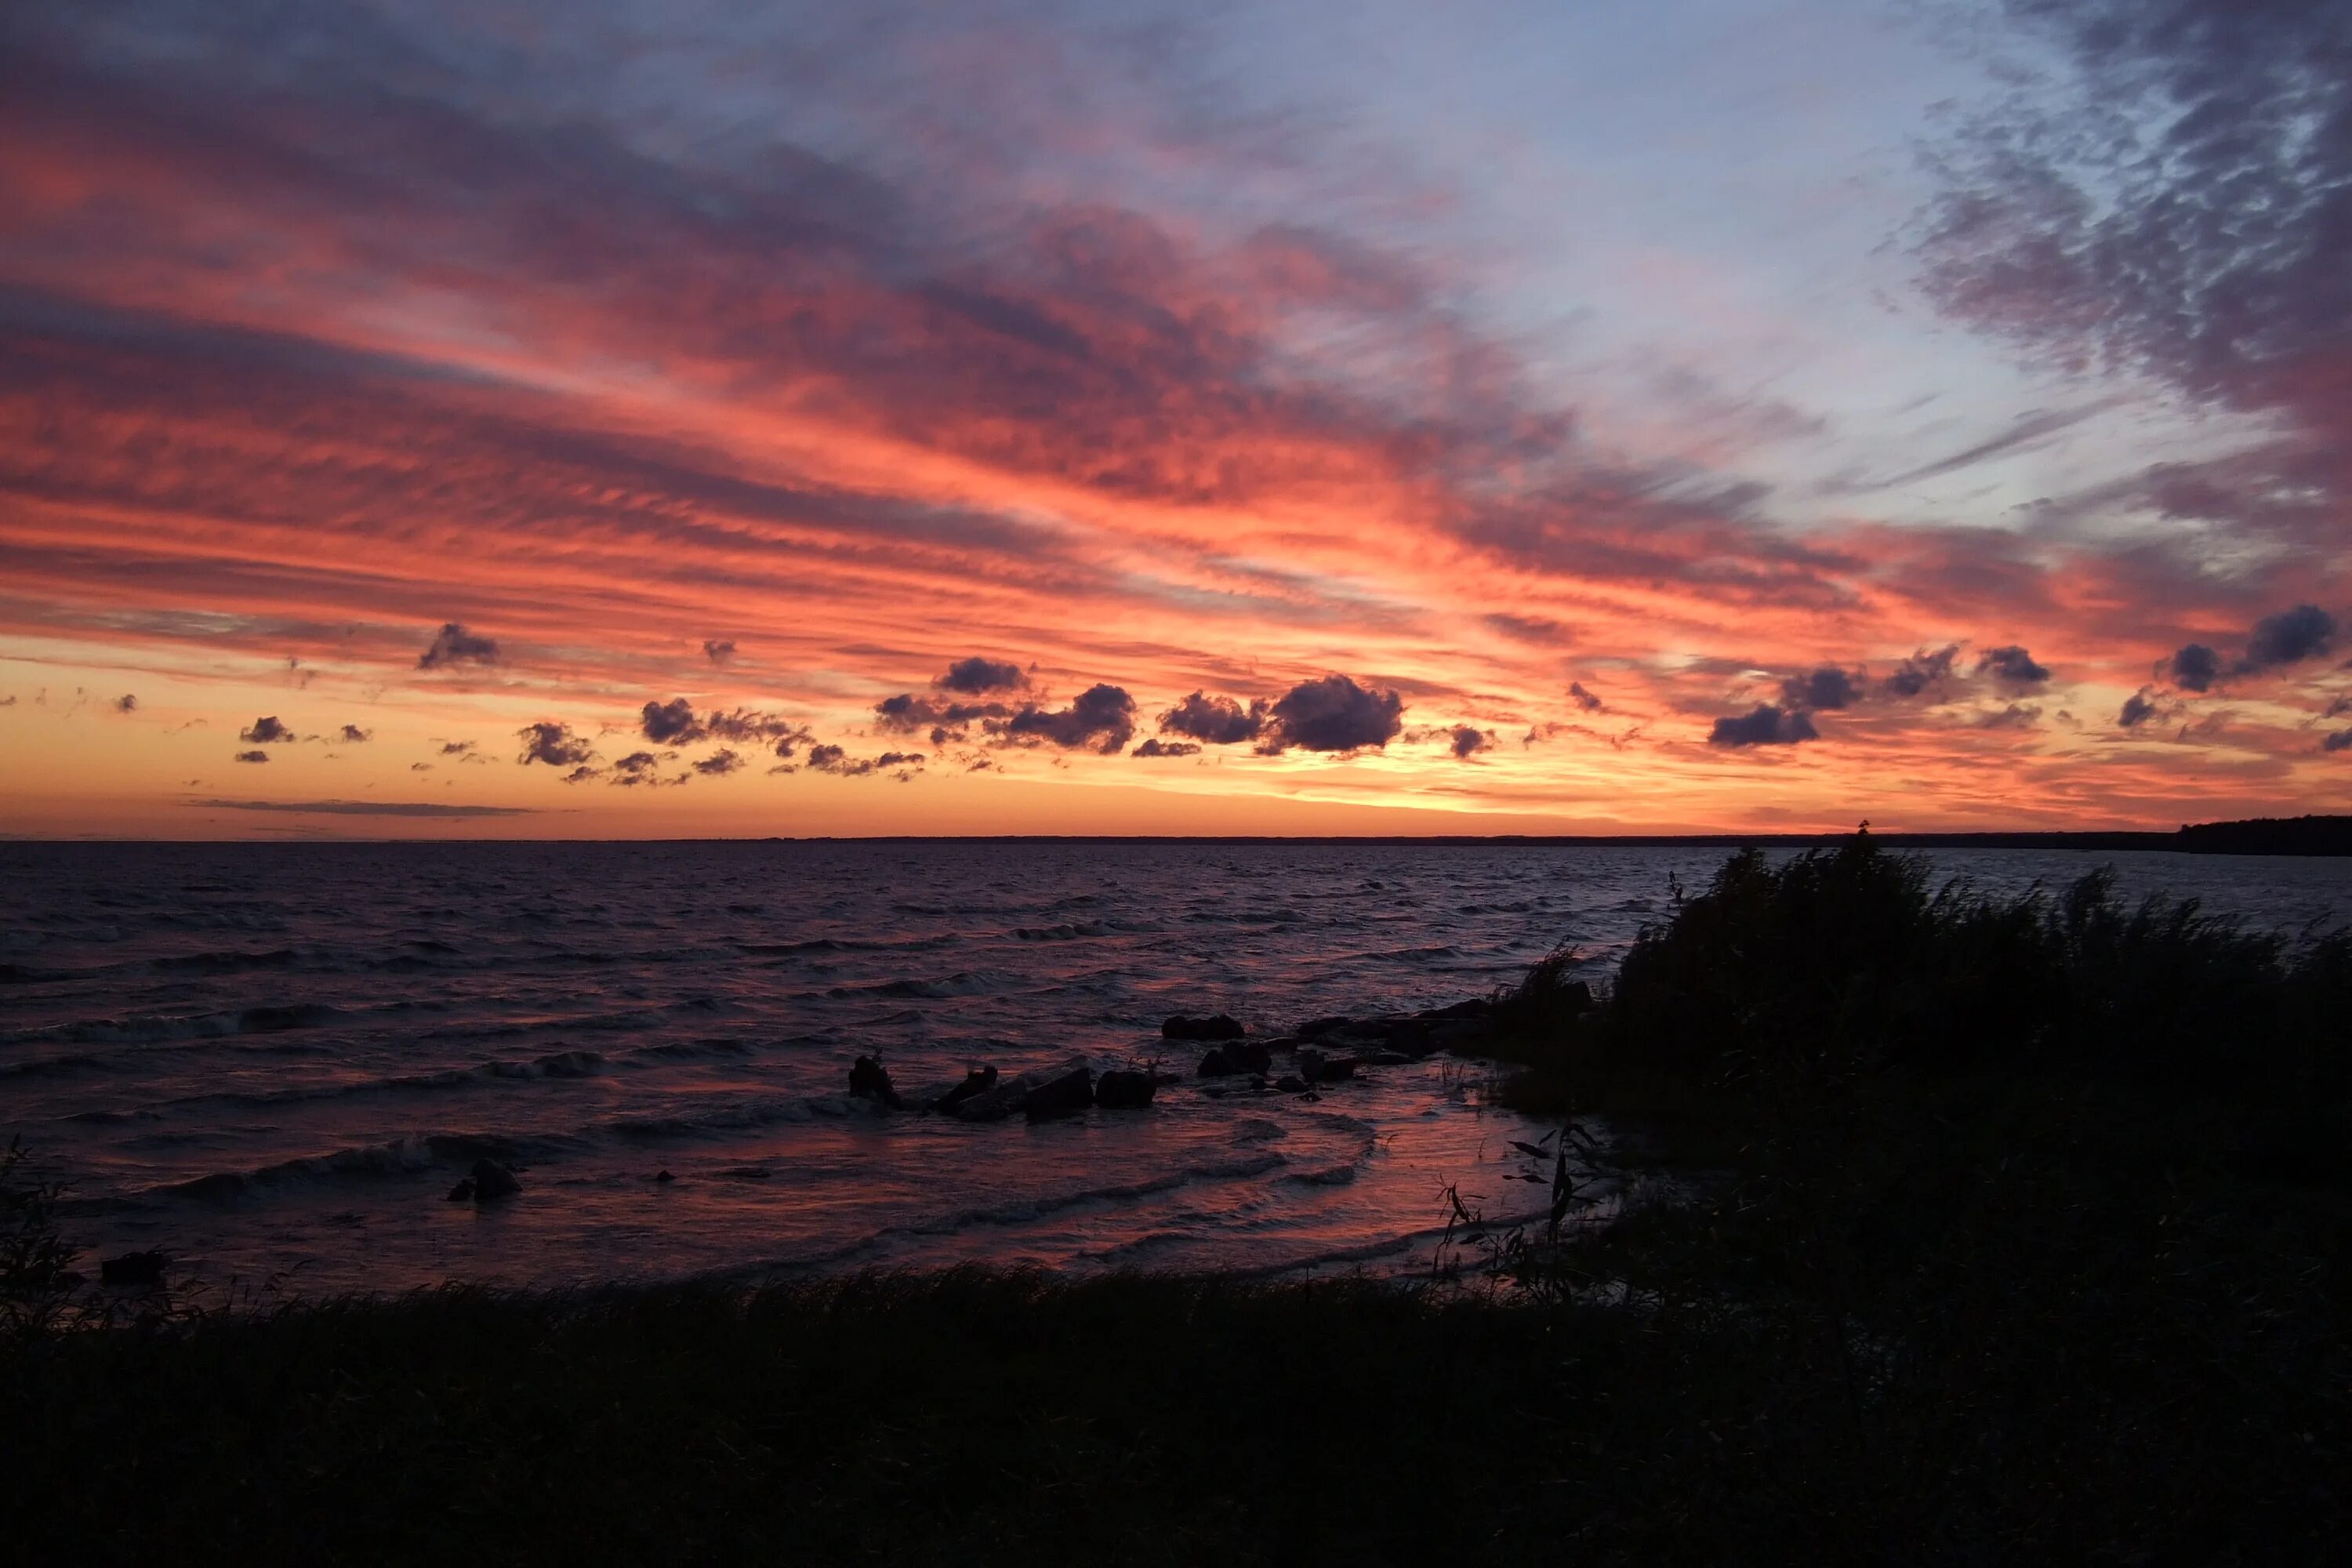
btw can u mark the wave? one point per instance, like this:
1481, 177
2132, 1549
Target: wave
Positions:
160, 1029
397, 1158
961, 983
555, 1065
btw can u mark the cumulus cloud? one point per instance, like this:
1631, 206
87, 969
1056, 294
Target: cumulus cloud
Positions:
2139, 707
2287, 637
2011, 665
978, 677
253, 757
1922, 672
719, 763
553, 745
1468, 739
1333, 714
1765, 725
640, 768
832, 759
2194, 668
126, 703
1101, 719
671, 723
582, 773
1828, 689
1156, 747
353, 735
908, 714
454, 645
718, 650
2016, 716
1585, 699
1214, 720
265, 731
2339, 741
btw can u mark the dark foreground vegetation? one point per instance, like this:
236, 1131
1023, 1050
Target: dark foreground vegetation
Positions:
1979, 1231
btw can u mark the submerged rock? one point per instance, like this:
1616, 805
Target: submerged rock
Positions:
868, 1080
493, 1180
1215, 1027
1124, 1091
1071, 1092
463, 1192
663, 1175
1317, 1068
133, 1268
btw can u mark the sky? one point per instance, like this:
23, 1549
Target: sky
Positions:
625, 420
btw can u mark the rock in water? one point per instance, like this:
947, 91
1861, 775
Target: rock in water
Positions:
493, 1180
1073, 1091
1218, 1026
975, 1082
463, 1192
868, 1080
1124, 1091
1240, 1056
133, 1268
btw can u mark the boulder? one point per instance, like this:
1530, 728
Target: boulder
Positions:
1071, 1092
1124, 1091
868, 1080
1290, 1083
1010, 1094
1315, 1028
1473, 1008
1238, 1057
663, 1175
1217, 1027
977, 1080
492, 1181
1463, 1035
133, 1268
463, 1192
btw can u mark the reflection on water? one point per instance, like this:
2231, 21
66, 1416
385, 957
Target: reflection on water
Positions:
276, 1059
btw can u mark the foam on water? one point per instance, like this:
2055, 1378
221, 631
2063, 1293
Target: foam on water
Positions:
274, 1060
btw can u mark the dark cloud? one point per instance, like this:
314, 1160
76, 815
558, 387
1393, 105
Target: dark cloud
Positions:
908, 714
638, 768
671, 723
253, 757
2016, 716
2292, 636
2139, 708
1467, 738
1102, 718
978, 677
553, 745
1585, 699
1922, 672
2011, 665
2339, 741
1155, 747
1828, 689
1766, 725
2195, 667
832, 759
1216, 721
457, 748
718, 650
454, 645
126, 703
719, 763
265, 731
582, 773
1333, 714
353, 735
363, 808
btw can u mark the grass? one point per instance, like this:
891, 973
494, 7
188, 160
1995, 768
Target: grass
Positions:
2030, 1239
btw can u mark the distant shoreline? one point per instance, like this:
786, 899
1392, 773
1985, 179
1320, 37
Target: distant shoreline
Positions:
2300, 835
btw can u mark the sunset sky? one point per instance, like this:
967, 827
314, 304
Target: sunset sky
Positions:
618, 418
